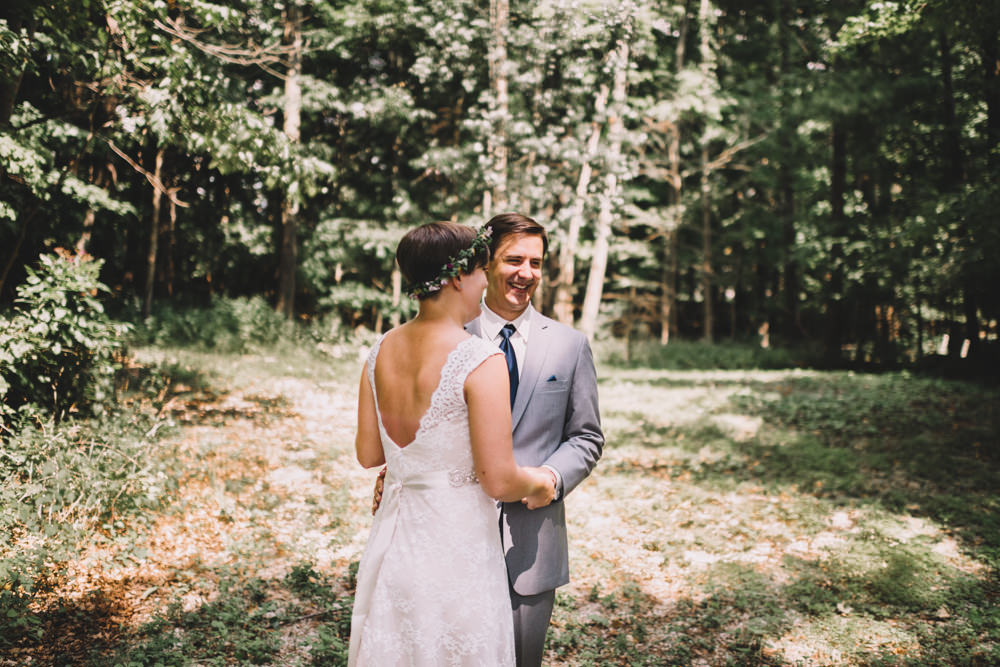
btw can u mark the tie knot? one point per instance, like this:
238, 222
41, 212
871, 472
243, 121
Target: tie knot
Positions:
508, 331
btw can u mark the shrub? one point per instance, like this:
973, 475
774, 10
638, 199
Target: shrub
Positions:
697, 355
227, 325
59, 351
58, 484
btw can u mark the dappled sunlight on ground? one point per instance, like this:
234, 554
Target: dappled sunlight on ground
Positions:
842, 639
711, 532
675, 505
271, 481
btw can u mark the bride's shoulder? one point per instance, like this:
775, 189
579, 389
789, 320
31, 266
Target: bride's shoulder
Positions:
478, 349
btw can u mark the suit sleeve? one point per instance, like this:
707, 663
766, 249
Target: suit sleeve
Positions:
582, 439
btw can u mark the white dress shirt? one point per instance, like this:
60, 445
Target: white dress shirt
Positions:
490, 325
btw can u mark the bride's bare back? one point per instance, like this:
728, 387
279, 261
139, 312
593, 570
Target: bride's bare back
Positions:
407, 373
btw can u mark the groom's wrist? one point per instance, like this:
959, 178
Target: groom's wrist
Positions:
556, 481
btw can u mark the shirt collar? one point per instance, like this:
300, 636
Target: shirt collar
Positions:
490, 323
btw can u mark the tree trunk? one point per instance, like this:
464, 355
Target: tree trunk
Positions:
956, 177
668, 278
835, 285
707, 67
953, 134
88, 227
706, 247
991, 89
88, 221
288, 256
171, 248
599, 263
920, 330
154, 238
19, 15
971, 308
15, 251
9, 86
790, 328
496, 143
567, 252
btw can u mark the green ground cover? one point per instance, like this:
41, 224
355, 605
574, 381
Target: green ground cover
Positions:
737, 518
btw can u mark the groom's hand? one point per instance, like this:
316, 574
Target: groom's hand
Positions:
546, 494
379, 484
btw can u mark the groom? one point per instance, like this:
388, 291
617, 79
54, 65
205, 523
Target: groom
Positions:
555, 419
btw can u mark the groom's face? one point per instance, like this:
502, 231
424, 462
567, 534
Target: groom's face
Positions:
514, 273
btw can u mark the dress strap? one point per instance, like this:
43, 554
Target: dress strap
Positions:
372, 356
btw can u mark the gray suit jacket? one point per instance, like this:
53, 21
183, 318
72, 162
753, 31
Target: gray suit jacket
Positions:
556, 422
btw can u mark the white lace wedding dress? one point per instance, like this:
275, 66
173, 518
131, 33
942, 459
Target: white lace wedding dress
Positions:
432, 585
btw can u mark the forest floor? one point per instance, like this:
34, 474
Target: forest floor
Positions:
736, 518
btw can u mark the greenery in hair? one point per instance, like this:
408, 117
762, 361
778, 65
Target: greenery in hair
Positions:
457, 265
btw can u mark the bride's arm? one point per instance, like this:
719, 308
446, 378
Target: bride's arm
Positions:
487, 395
367, 442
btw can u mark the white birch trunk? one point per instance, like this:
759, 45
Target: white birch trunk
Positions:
599, 263
567, 252
495, 197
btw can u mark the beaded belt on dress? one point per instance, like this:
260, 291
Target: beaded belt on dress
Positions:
433, 479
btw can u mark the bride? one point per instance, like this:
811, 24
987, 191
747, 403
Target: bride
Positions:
434, 406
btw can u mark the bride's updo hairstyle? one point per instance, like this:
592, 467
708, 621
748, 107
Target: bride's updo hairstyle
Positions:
431, 254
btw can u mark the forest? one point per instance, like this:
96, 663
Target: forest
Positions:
810, 173
776, 221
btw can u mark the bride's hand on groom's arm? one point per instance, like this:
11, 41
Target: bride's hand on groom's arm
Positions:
546, 492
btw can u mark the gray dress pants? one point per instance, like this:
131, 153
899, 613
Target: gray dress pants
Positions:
531, 622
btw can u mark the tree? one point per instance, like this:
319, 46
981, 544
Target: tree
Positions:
568, 249
288, 253
618, 62
495, 194
825, 170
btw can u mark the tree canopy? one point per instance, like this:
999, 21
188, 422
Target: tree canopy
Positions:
812, 171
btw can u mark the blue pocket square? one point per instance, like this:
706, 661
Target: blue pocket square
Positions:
552, 378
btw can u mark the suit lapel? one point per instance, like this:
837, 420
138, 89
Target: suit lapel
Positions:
537, 349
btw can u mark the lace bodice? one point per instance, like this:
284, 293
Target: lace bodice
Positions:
432, 585
441, 441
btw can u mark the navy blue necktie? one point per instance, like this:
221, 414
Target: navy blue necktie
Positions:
508, 353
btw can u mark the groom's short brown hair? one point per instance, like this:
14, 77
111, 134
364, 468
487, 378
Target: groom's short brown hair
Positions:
506, 224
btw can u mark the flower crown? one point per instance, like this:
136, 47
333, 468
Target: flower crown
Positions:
460, 263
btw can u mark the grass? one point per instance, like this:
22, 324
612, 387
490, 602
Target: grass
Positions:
248, 622
737, 518
798, 518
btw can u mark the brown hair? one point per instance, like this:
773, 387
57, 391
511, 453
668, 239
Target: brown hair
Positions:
507, 224
424, 251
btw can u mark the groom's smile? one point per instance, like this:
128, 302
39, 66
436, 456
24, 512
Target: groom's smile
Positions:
514, 273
